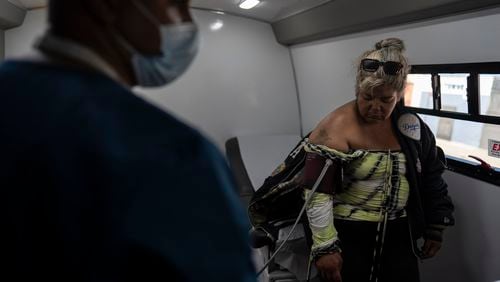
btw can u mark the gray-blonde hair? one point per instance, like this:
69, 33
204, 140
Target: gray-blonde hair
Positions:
390, 49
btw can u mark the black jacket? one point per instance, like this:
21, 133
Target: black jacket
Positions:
429, 204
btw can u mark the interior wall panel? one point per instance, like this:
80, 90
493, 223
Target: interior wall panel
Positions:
326, 69
241, 82
19, 41
10, 15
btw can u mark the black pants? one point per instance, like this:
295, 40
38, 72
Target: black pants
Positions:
358, 241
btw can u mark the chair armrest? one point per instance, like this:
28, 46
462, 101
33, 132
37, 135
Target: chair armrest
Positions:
260, 238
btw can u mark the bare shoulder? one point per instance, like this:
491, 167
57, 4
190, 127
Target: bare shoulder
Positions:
334, 129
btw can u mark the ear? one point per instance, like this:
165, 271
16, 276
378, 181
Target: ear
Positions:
104, 11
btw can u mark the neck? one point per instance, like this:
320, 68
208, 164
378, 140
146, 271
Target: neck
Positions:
375, 124
97, 39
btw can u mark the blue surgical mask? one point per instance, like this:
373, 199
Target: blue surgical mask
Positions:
179, 46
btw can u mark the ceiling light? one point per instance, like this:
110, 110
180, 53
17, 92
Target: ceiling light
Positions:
216, 25
249, 4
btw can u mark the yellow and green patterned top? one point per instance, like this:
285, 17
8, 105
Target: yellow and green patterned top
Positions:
374, 186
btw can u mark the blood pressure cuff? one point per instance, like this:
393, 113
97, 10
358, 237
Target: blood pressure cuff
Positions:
332, 180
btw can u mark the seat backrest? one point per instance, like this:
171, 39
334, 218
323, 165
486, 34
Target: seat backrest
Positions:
253, 158
262, 154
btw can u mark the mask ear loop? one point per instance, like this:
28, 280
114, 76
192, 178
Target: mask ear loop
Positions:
123, 42
176, 17
146, 12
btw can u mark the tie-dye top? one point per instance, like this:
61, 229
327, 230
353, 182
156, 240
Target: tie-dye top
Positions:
374, 186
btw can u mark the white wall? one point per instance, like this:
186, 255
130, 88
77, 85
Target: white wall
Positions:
19, 40
471, 250
326, 73
325, 76
241, 82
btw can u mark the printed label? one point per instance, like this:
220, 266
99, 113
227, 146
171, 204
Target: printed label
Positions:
493, 148
409, 125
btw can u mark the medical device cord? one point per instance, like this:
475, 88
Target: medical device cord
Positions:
328, 163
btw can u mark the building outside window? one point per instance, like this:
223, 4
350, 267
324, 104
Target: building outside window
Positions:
461, 105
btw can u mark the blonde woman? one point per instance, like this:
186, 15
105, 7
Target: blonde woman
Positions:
390, 191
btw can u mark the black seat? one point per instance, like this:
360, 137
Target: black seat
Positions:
260, 239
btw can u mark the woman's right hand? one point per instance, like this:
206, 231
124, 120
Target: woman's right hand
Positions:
329, 267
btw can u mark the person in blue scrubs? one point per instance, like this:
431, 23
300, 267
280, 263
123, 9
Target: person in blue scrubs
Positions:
96, 183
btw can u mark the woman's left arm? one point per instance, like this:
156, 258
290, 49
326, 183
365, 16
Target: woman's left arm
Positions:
437, 203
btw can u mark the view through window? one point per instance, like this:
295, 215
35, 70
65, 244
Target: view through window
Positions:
444, 94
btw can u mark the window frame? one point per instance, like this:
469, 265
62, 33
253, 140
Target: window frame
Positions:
474, 70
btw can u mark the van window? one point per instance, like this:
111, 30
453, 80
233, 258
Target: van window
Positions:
461, 105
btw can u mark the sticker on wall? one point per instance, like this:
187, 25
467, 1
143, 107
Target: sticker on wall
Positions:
493, 148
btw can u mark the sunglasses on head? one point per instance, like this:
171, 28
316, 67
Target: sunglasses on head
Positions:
372, 65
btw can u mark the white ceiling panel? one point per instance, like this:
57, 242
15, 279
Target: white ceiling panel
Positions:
267, 10
31, 4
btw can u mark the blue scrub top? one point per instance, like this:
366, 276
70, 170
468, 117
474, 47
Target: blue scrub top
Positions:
99, 185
